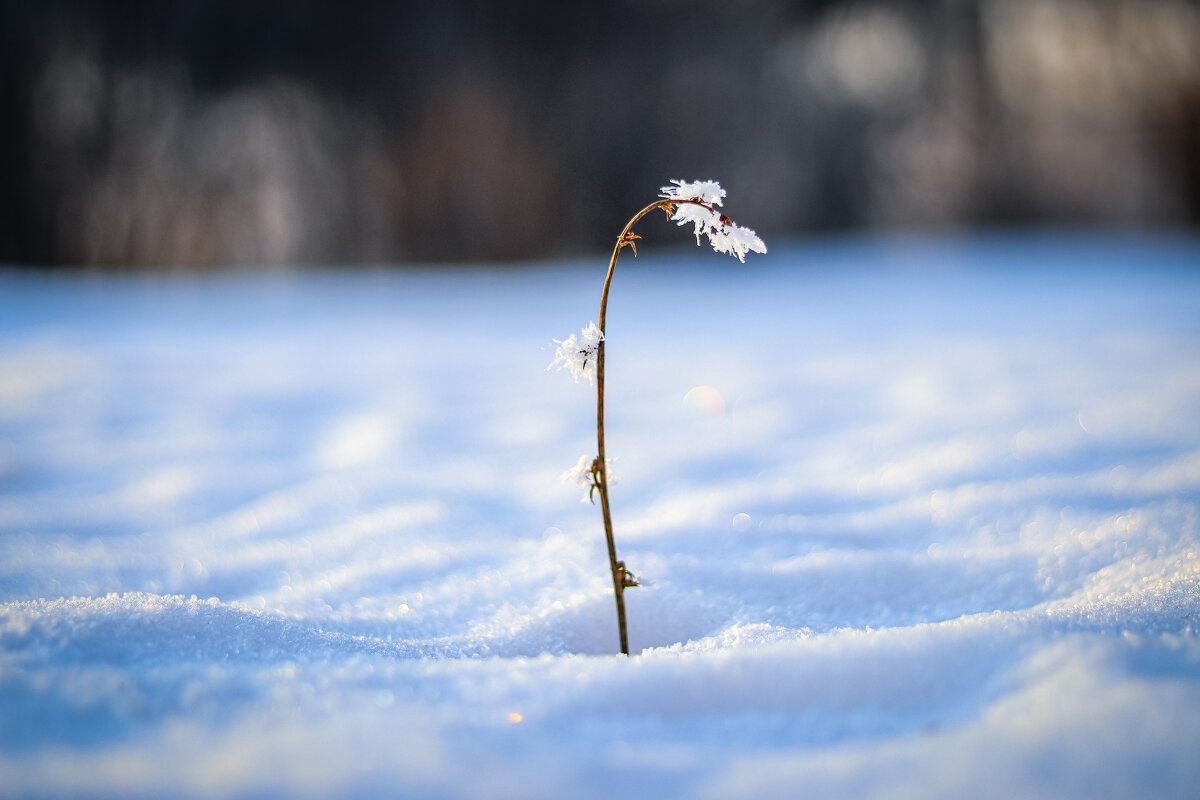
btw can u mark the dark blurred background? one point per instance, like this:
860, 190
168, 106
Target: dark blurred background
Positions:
196, 133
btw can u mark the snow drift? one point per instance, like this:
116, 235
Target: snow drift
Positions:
915, 518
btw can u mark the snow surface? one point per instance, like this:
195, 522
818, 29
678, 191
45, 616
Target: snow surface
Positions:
915, 518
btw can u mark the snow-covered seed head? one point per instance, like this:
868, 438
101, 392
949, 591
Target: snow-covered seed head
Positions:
578, 353
697, 202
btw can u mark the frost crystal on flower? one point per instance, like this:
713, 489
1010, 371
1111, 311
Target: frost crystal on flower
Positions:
578, 353
736, 241
696, 204
704, 219
706, 191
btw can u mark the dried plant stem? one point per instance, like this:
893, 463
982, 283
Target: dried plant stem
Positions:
621, 578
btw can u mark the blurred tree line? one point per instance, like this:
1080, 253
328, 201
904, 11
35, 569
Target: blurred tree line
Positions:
140, 133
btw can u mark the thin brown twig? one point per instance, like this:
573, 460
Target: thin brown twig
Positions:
621, 578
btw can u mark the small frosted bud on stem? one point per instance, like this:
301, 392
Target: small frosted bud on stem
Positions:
586, 472
577, 354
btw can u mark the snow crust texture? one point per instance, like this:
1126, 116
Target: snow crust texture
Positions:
913, 519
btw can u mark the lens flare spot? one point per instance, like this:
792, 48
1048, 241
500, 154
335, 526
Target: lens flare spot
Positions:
515, 717
703, 402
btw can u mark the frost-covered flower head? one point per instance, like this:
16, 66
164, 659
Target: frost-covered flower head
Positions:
697, 202
578, 353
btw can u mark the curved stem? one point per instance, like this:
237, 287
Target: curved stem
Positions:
619, 575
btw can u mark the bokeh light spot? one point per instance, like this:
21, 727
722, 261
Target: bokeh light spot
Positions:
703, 402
